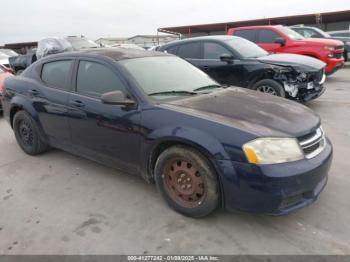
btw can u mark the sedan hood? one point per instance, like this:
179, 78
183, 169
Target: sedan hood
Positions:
4, 61
298, 62
251, 111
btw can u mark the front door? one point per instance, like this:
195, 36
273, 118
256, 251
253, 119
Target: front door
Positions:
266, 40
222, 72
105, 133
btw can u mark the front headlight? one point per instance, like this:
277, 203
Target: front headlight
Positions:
282, 70
330, 48
273, 150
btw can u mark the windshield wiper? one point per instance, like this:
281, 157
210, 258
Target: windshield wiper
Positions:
173, 93
207, 87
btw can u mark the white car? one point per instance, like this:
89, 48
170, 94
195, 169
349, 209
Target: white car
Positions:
4, 60
8, 52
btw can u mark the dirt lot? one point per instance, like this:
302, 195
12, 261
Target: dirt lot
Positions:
61, 204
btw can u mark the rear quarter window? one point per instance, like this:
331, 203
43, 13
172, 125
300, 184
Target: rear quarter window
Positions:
56, 74
172, 50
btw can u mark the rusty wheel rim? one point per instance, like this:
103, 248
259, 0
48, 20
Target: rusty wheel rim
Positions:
184, 183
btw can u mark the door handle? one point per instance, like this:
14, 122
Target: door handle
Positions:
34, 92
206, 67
77, 103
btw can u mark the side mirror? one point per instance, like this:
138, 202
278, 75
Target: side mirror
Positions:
281, 41
227, 58
116, 98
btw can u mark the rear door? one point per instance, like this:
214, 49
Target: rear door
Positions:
105, 133
50, 99
266, 39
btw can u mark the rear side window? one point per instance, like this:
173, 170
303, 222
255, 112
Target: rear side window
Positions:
247, 34
214, 51
342, 34
95, 79
267, 36
308, 33
190, 50
56, 74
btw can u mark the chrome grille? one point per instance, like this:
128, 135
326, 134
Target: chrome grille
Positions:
339, 47
338, 55
313, 143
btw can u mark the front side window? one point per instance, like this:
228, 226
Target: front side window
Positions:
56, 74
190, 50
172, 50
214, 51
95, 79
267, 36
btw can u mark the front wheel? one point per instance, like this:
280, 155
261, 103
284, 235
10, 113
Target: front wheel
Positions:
187, 182
27, 134
269, 86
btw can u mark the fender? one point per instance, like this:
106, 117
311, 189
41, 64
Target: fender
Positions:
20, 103
160, 139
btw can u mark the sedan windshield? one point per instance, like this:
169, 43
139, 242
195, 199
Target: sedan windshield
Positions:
245, 48
167, 76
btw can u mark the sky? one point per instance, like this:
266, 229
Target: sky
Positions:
32, 20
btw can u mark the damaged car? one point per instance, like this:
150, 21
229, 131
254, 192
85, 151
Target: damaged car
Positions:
235, 61
50, 46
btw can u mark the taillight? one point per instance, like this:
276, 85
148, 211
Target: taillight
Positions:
2, 88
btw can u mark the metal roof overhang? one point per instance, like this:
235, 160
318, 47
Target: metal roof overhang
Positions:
328, 17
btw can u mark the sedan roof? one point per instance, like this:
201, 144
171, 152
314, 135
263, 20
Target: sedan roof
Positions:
114, 53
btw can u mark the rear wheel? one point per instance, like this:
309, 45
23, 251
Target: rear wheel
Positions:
269, 86
27, 134
187, 182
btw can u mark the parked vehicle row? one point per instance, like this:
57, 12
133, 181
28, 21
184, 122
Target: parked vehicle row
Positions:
281, 39
4, 73
154, 114
49, 46
314, 32
234, 61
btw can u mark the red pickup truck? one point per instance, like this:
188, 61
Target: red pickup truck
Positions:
280, 39
4, 73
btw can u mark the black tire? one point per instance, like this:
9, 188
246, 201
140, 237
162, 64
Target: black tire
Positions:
269, 85
27, 134
206, 195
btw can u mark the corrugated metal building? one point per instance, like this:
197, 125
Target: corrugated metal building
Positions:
330, 21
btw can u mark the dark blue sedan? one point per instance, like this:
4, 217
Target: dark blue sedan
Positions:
155, 115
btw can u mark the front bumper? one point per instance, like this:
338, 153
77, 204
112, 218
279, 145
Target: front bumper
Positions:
307, 95
333, 65
274, 189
